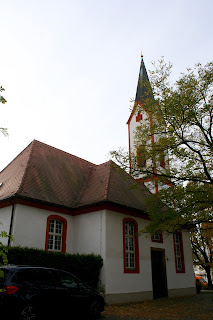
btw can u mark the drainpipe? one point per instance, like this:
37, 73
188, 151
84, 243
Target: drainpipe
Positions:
11, 223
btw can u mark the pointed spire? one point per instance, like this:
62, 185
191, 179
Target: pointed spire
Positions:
144, 90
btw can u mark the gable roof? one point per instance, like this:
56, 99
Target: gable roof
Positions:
44, 174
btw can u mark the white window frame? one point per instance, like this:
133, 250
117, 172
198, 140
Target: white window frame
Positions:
130, 245
178, 254
56, 236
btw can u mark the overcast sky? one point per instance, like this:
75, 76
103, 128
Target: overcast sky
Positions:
71, 67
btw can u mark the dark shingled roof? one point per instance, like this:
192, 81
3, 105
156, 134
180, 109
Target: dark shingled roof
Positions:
48, 175
144, 90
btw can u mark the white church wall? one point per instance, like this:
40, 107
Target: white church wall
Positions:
133, 127
29, 227
116, 280
88, 233
5, 219
174, 279
120, 285
89, 236
132, 130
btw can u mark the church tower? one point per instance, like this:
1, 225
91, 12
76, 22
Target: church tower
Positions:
139, 116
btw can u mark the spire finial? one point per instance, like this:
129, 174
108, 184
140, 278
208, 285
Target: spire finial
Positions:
141, 54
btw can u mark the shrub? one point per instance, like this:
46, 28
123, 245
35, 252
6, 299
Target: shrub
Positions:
84, 266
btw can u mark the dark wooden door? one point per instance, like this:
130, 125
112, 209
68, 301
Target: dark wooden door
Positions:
159, 278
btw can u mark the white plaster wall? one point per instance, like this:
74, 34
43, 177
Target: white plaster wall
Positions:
133, 125
117, 281
174, 279
88, 233
29, 227
132, 129
89, 236
5, 218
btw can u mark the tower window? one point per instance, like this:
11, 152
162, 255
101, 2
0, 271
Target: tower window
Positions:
162, 160
141, 156
139, 117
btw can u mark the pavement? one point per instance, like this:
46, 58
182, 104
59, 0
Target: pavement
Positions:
197, 307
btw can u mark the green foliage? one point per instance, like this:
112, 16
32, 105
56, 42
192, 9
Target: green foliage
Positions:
3, 250
3, 234
179, 128
202, 247
2, 100
85, 266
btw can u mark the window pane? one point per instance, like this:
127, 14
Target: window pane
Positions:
126, 243
129, 245
131, 229
156, 236
57, 243
55, 235
51, 226
50, 242
178, 253
58, 227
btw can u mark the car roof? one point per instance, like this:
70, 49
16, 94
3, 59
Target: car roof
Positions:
13, 266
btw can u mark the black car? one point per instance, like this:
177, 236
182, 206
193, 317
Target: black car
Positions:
45, 293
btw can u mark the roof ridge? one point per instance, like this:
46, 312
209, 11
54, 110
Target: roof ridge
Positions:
108, 179
78, 199
27, 165
62, 151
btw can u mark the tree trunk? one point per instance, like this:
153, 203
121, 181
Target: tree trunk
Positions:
208, 272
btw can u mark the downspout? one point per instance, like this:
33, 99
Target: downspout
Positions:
11, 223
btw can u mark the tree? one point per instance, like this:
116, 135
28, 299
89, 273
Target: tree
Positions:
2, 100
179, 131
202, 247
3, 234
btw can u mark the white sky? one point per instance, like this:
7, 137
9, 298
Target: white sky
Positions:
71, 67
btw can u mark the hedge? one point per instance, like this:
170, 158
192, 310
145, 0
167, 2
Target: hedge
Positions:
84, 266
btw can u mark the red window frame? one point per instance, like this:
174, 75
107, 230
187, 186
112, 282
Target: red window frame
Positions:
136, 269
182, 270
64, 233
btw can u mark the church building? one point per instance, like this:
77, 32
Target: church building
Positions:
55, 201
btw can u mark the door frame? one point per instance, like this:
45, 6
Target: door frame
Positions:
164, 293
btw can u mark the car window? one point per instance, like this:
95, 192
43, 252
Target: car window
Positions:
4, 275
67, 281
34, 276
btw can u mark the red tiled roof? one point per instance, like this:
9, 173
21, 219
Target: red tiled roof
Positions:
48, 175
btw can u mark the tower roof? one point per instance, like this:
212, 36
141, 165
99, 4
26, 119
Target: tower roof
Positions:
144, 90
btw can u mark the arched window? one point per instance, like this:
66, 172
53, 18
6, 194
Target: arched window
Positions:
56, 232
130, 246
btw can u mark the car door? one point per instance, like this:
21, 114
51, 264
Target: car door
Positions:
38, 287
73, 296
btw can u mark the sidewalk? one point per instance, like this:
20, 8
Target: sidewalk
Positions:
199, 307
